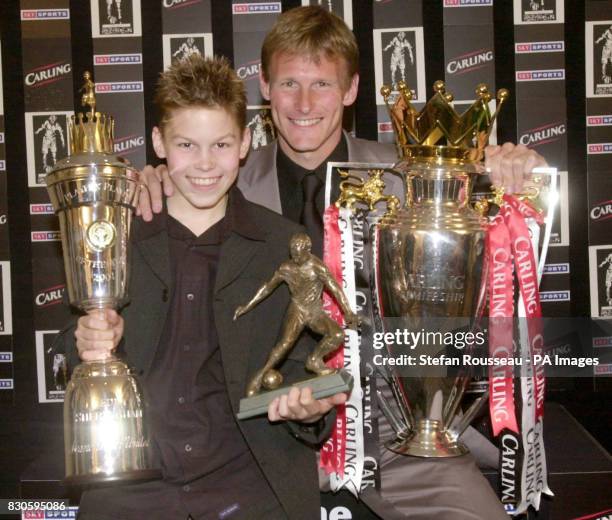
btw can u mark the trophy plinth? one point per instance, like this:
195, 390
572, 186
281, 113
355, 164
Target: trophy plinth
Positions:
428, 439
94, 194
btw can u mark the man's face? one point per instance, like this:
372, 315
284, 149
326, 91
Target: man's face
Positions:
307, 99
203, 148
299, 251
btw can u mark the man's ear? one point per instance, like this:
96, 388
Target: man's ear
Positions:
351, 94
264, 86
246, 143
158, 143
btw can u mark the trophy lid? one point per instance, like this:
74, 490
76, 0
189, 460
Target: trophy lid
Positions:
91, 141
437, 134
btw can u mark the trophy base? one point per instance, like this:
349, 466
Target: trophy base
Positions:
428, 440
137, 475
322, 386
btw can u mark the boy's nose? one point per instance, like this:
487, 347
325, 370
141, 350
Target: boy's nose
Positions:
206, 162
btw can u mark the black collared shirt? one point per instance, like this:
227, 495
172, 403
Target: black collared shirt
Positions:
207, 464
290, 177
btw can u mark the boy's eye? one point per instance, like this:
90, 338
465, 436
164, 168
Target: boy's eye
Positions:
187, 146
223, 145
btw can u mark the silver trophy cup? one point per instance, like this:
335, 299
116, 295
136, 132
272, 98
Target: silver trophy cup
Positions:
94, 194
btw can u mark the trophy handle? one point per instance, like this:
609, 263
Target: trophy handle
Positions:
368, 192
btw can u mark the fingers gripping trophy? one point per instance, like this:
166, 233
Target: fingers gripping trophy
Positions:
94, 193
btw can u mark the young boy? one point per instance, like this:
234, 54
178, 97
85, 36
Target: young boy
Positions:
190, 268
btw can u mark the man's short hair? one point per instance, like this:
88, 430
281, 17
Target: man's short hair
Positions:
300, 240
311, 31
198, 82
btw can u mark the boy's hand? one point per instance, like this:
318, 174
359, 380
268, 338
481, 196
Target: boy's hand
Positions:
509, 165
300, 406
151, 197
98, 334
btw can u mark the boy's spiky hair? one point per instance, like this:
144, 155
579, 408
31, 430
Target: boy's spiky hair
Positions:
201, 82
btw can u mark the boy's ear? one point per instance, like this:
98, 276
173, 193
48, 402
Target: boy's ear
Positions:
245, 143
264, 86
158, 143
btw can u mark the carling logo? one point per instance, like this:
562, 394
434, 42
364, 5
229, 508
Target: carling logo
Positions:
470, 61
599, 148
128, 144
41, 209
603, 120
6, 357
555, 296
46, 74
174, 4
540, 75
601, 211
119, 86
249, 70
385, 127
601, 370
535, 47
602, 341
45, 14
557, 268
6, 384
50, 296
118, 59
46, 236
543, 134
467, 3
260, 7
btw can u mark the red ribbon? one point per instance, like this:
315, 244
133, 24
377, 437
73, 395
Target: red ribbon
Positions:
333, 452
508, 244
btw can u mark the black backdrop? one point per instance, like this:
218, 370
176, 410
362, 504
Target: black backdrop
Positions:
28, 428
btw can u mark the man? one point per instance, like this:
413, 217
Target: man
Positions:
398, 58
606, 53
49, 142
309, 73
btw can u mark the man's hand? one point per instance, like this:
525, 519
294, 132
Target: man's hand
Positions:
98, 334
151, 196
509, 165
300, 406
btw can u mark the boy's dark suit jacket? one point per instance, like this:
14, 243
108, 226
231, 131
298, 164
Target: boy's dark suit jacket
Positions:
244, 265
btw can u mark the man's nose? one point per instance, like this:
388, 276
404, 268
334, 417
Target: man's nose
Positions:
304, 101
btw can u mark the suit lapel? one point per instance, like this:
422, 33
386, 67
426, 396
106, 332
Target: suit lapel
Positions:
154, 251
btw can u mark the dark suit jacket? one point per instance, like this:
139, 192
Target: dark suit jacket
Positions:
244, 265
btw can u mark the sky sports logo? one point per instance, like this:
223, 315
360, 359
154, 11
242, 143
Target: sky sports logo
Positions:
45, 14
2, 166
258, 8
6, 357
1, 137
555, 296
41, 209
385, 127
46, 236
599, 148
119, 86
536, 47
557, 268
602, 341
118, 59
467, 3
6, 384
601, 370
602, 120
540, 75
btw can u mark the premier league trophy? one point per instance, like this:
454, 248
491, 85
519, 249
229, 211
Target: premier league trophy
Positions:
428, 257
94, 193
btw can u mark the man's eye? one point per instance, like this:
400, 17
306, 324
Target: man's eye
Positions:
323, 84
288, 83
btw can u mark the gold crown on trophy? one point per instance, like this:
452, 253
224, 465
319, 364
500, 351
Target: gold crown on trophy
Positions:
91, 132
438, 133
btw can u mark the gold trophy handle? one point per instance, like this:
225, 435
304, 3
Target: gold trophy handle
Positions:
367, 192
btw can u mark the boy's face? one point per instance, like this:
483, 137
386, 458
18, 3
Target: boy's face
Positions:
203, 148
307, 99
